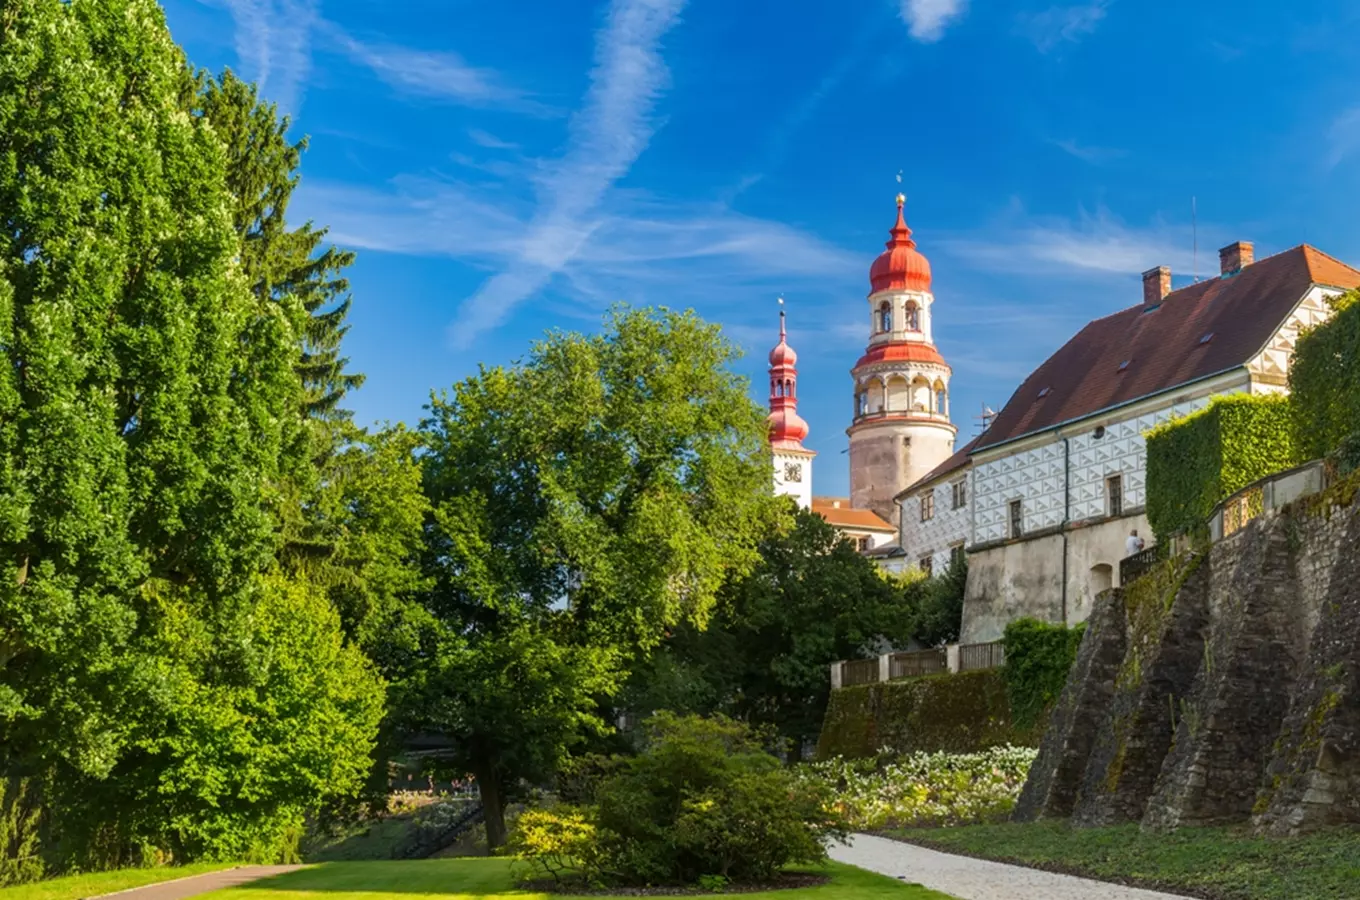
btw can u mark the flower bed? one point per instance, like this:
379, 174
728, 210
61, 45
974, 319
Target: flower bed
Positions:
924, 789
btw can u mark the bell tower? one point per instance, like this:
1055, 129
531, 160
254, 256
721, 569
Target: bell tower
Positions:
792, 461
901, 429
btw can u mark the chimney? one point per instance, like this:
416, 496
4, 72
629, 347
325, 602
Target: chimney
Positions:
1156, 285
1235, 257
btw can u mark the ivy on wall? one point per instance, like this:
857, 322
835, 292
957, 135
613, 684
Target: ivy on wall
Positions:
1324, 383
1198, 461
1038, 658
960, 713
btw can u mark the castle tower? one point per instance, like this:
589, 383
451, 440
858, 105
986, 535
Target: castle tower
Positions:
792, 461
901, 428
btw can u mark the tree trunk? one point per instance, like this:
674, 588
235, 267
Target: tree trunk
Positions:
493, 805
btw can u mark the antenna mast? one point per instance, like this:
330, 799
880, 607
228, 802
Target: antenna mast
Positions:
1194, 230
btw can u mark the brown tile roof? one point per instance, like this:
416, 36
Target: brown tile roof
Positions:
1163, 347
948, 467
838, 512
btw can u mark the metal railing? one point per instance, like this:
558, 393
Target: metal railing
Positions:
973, 657
1140, 563
913, 665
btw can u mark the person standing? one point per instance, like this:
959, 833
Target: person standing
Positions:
1134, 544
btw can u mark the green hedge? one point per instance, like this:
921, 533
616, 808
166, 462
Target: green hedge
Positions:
1196, 462
1324, 381
1038, 658
963, 713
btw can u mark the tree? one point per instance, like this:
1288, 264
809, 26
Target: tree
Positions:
582, 503
812, 600
167, 688
939, 605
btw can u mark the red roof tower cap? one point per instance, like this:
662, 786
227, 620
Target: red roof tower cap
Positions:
901, 267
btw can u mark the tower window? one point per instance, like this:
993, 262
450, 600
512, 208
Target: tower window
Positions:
1017, 511
1114, 494
779, 388
913, 317
788, 389
941, 401
928, 506
862, 403
885, 316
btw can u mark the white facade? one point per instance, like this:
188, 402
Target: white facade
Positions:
793, 475
947, 530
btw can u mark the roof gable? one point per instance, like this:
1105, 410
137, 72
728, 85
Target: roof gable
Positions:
1198, 331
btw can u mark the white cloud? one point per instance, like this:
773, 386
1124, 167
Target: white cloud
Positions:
438, 75
1344, 136
490, 141
1091, 245
1093, 155
927, 19
1062, 24
607, 135
273, 46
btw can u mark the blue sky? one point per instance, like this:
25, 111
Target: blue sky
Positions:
508, 167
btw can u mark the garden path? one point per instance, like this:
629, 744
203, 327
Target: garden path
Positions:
976, 879
179, 888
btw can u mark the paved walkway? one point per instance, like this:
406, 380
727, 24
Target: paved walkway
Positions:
179, 888
975, 879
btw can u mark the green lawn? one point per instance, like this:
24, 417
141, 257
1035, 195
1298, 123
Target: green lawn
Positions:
489, 879
74, 887
1209, 862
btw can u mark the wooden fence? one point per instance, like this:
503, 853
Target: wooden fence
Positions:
973, 657
912, 665
859, 671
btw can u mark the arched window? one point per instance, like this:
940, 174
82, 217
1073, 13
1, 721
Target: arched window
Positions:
941, 401
862, 403
913, 317
788, 389
885, 316
779, 388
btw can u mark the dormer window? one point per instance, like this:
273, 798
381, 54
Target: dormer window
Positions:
1044, 393
1209, 336
1125, 364
885, 316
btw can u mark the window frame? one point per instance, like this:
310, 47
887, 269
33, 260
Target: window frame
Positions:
1016, 517
927, 565
1114, 495
960, 493
928, 505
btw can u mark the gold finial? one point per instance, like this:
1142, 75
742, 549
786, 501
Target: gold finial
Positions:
901, 200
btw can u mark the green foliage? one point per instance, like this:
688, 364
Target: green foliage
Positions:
171, 690
1324, 380
20, 860
1196, 462
701, 799
925, 788
939, 605
961, 713
583, 503
1038, 658
811, 600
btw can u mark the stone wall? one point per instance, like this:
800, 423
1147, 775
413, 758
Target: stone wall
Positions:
1220, 688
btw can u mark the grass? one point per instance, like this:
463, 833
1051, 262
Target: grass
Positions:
490, 879
92, 884
1225, 863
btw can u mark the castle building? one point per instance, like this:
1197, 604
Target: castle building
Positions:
1058, 479
900, 430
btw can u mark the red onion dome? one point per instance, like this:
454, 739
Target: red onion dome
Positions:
900, 267
787, 428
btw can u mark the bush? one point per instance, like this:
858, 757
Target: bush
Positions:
1324, 381
925, 789
19, 822
1198, 461
702, 799
1038, 658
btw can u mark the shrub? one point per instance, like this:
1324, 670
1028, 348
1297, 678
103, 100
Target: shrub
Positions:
19, 821
925, 789
1038, 658
1198, 461
1324, 380
702, 799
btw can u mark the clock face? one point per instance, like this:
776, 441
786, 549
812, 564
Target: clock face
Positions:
793, 472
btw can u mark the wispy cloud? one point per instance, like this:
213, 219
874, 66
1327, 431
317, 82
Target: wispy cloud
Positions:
1090, 245
1093, 155
1343, 136
489, 141
435, 75
273, 46
1058, 25
928, 19
606, 136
